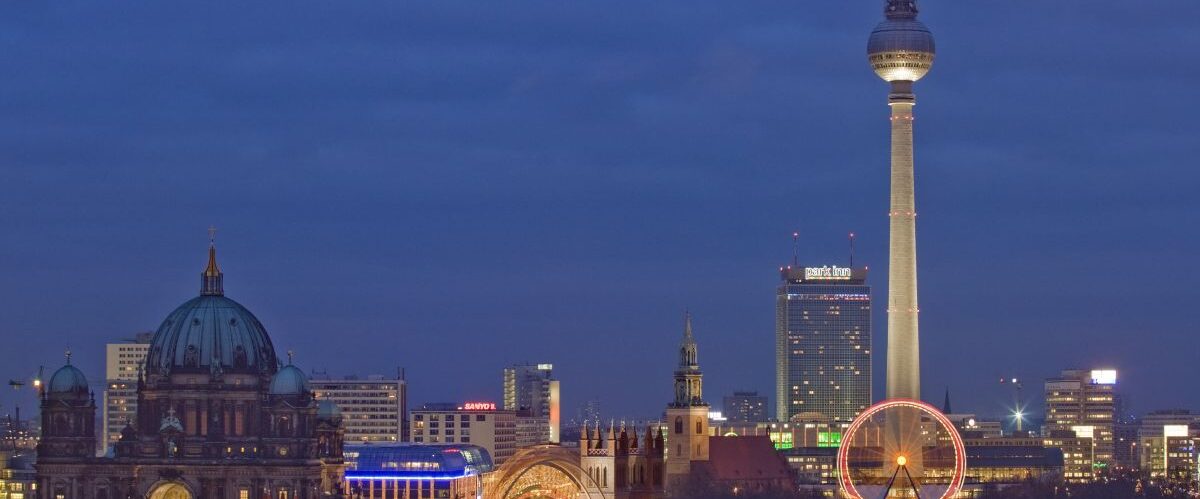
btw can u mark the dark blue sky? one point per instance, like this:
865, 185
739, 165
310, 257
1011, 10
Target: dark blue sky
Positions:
454, 186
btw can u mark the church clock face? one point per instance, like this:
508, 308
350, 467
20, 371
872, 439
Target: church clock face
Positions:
283, 451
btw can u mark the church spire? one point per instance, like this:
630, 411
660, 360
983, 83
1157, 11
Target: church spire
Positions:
212, 280
688, 378
687, 348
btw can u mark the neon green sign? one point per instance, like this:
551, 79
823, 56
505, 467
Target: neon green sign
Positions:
829, 439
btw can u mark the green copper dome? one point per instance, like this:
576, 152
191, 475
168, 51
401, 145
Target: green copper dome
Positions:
211, 334
68, 381
289, 381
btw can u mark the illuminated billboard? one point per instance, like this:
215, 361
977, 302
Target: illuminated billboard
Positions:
478, 406
1104, 377
1175, 430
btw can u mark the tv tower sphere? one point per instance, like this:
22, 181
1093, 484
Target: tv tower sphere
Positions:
901, 47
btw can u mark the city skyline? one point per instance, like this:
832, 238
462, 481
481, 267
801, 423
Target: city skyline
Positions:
350, 237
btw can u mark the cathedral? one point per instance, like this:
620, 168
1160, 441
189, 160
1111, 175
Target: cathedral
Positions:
218, 417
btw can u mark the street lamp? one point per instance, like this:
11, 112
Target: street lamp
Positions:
1018, 416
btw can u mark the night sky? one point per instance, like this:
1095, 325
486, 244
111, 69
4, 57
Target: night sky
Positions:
452, 187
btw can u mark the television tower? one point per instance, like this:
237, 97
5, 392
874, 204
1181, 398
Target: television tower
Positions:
901, 51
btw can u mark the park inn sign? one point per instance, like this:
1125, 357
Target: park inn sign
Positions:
827, 273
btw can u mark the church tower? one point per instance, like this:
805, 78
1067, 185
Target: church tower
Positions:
687, 415
68, 416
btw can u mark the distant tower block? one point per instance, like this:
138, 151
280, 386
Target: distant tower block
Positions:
901, 51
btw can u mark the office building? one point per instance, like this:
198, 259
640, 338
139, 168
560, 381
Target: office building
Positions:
122, 363
123, 360
374, 408
970, 426
476, 423
415, 471
1078, 449
17, 476
531, 390
822, 342
1163, 440
817, 432
1151, 423
1169, 452
745, 407
1125, 446
1082, 401
531, 430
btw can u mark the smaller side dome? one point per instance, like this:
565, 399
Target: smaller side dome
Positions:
329, 411
289, 381
68, 381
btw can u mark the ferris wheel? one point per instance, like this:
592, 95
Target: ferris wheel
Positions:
901, 448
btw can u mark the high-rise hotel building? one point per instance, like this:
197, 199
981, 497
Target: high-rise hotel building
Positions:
121, 366
823, 342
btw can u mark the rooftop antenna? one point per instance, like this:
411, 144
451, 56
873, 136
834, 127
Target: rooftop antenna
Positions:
851, 250
796, 249
212, 234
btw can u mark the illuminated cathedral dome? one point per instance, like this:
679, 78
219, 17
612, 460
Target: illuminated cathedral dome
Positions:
901, 48
211, 333
289, 381
68, 381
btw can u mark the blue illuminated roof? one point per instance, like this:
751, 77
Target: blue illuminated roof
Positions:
416, 461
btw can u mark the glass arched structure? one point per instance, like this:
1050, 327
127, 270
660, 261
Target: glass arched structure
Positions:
379, 470
543, 471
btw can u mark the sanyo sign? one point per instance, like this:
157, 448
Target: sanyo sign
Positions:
827, 273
